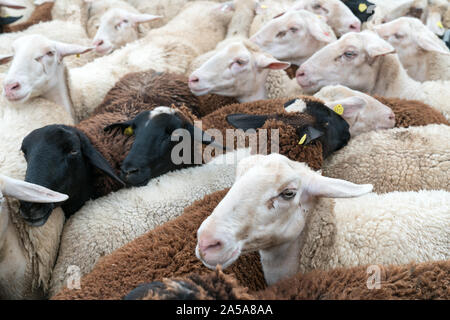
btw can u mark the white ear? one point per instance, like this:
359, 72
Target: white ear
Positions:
434, 23
5, 58
351, 106
266, 62
141, 18
320, 31
25, 191
11, 4
67, 49
319, 186
378, 47
426, 42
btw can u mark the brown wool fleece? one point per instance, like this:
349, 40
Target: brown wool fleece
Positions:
410, 113
166, 251
428, 280
215, 285
139, 90
283, 121
41, 13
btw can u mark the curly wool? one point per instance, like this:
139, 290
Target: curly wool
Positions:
414, 281
410, 113
166, 251
399, 159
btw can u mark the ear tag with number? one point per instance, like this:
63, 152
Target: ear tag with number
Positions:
339, 109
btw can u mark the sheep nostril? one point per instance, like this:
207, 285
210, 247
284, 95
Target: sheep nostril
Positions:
355, 27
129, 171
193, 79
99, 43
210, 245
392, 116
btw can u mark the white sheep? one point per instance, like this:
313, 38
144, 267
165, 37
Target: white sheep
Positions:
114, 23
28, 253
294, 36
365, 62
170, 48
34, 249
251, 75
279, 207
421, 52
108, 223
57, 30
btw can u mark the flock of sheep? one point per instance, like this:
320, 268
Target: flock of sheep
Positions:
316, 149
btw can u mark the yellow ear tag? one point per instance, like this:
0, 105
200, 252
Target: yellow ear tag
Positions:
362, 7
128, 131
303, 139
78, 55
440, 25
339, 109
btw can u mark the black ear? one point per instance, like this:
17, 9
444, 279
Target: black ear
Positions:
287, 104
308, 134
121, 125
96, 158
246, 121
8, 20
202, 136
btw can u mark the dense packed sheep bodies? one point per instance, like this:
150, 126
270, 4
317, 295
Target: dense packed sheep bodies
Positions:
212, 149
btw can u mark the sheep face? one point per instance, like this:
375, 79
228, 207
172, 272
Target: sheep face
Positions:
412, 40
266, 208
151, 153
351, 61
37, 67
362, 112
238, 70
294, 36
117, 28
63, 159
337, 14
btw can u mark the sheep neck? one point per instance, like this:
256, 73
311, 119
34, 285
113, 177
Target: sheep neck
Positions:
392, 79
59, 93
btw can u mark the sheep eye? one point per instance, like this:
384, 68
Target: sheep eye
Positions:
293, 29
398, 36
288, 194
50, 53
125, 21
317, 6
240, 62
281, 34
349, 55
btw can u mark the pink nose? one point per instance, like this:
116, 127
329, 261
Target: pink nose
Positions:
193, 79
98, 43
356, 26
10, 88
209, 244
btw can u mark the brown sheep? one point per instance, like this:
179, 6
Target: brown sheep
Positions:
427, 280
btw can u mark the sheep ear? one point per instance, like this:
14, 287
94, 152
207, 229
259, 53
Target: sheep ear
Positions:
308, 134
67, 49
246, 121
426, 42
316, 185
434, 23
266, 62
11, 4
122, 125
319, 31
96, 159
30, 192
201, 136
378, 47
5, 59
348, 107
141, 18
8, 20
